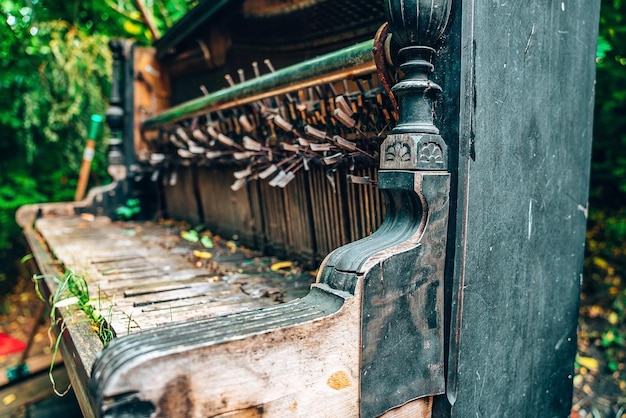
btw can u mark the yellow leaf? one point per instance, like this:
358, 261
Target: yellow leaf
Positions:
588, 362
600, 262
613, 318
202, 254
9, 399
132, 28
578, 380
281, 265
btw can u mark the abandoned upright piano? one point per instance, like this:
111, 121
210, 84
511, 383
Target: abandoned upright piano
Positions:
428, 160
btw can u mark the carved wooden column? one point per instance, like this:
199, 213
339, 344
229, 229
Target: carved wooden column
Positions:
401, 266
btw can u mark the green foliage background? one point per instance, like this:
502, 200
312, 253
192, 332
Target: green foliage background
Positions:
604, 285
54, 74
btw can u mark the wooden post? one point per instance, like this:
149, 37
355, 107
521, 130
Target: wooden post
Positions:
88, 154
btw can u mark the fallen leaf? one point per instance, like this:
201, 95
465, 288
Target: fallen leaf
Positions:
206, 241
588, 362
191, 235
281, 265
202, 254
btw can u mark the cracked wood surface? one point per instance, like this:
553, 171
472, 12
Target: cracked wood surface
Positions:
142, 276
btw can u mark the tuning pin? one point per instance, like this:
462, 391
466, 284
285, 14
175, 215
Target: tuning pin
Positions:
229, 80
269, 65
255, 68
241, 74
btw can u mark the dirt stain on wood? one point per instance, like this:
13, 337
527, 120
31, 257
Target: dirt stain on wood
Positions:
339, 380
177, 401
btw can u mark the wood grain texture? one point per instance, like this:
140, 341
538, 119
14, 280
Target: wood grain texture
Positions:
420, 408
249, 366
150, 94
142, 275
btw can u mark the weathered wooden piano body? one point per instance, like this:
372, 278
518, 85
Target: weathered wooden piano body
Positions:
464, 125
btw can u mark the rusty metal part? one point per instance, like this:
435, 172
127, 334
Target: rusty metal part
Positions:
381, 59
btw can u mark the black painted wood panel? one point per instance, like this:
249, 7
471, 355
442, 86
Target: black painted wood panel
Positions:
526, 115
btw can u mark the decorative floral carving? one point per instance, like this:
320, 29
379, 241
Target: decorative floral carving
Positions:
431, 153
398, 152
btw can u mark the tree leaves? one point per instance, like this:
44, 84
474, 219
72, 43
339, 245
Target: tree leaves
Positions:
54, 72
